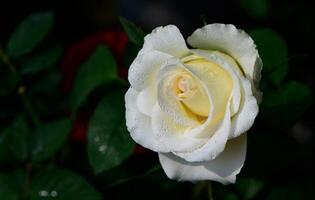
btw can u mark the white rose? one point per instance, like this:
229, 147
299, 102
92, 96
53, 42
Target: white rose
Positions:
194, 106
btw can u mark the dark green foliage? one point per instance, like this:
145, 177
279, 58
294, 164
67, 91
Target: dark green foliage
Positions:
109, 143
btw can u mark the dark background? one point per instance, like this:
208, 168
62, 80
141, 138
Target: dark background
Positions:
281, 158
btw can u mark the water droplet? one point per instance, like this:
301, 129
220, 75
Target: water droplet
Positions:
96, 139
54, 193
43, 193
102, 148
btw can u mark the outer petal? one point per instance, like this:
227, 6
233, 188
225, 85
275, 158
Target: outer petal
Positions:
234, 42
142, 77
167, 39
223, 169
147, 99
143, 70
139, 125
248, 111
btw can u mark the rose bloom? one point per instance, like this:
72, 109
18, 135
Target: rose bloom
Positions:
194, 106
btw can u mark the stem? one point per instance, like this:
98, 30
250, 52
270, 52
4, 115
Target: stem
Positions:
21, 90
203, 19
5, 59
275, 67
210, 191
28, 106
28, 169
124, 180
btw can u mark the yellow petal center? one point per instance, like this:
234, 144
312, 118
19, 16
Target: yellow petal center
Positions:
192, 95
191, 92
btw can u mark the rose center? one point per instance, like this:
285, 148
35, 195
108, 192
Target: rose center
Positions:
192, 95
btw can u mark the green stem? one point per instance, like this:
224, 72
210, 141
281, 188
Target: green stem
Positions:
6, 60
21, 90
28, 106
203, 19
28, 169
210, 191
124, 180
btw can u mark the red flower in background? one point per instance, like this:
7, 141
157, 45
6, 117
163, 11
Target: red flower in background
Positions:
76, 54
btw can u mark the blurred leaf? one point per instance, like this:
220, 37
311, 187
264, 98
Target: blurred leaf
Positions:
48, 83
8, 81
29, 33
135, 34
63, 185
257, 8
286, 193
274, 53
284, 106
42, 61
109, 143
249, 187
49, 139
47, 97
13, 141
11, 184
99, 69
130, 53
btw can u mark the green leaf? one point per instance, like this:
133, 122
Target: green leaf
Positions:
249, 187
256, 8
48, 100
49, 139
63, 185
11, 184
274, 54
13, 141
282, 107
135, 34
99, 69
109, 143
42, 61
30, 33
8, 81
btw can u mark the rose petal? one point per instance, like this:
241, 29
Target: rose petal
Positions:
147, 99
247, 107
215, 144
223, 169
248, 111
230, 66
139, 125
234, 42
143, 70
167, 39
166, 96
171, 134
